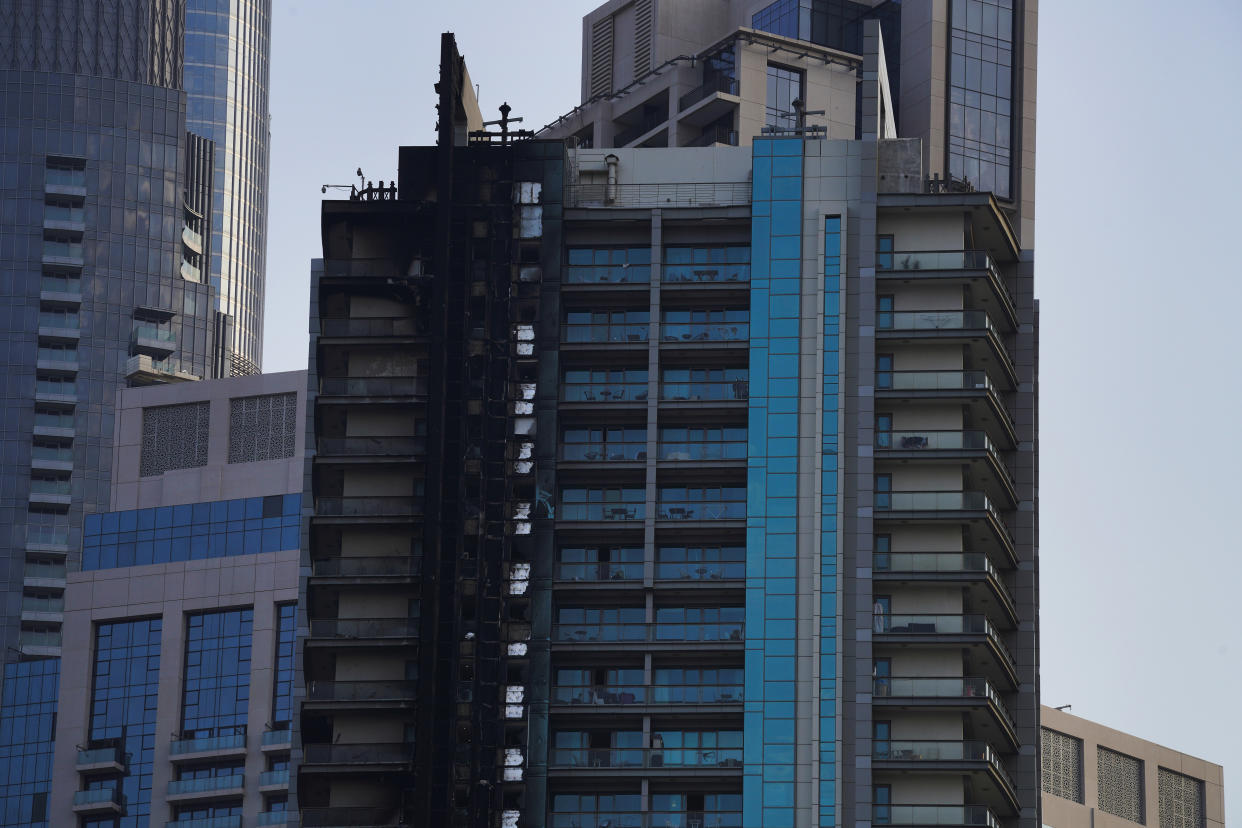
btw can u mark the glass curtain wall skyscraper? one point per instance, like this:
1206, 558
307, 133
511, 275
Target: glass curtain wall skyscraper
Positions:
227, 50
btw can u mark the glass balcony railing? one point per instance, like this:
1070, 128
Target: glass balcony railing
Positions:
951, 816
705, 332
606, 511
207, 822
932, 501
365, 628
374, 506
100, 756
32, 604
206, 784
932, 440
58, 454
714, 84
701, 510
715, 391
274, 777
380, 446
54, 572
643, 631
62, 249
642, 694
64, 178
620, 332
193, 239
723, 450
608, 274
63, 355
65, 321
604, 391
600, 571
696, 693
904, 260
360, 691
350, 567
276, 737
39, 638
276, 818
603, 452
932, 562
230, 741
645, 819
97, 796
942, 624
62, 212
371, 326
939, 751
700, 570
45, 419
645, 758
933, 381
40, 485
154, 334
61, 284
939, 688
47, 535
336, 817
944, 320
706, 272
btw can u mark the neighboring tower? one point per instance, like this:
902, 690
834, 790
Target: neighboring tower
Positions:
176, 687
227, 53
101, 271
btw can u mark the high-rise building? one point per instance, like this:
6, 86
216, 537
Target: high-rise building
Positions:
119, 209
682, 485
176, 677
1096, 776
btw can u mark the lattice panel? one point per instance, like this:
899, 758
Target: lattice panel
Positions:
1062, 764
262, 428
1120, 781
1181, 800
174, 437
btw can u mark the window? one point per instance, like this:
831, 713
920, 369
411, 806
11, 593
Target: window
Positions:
609, 265
883, 491
884, 312
882, 799
882, 674
216, 693
884, 252
981, 93
883, 370
784, 87
881, 734
881, 613
881, 556
883, 430
779, 18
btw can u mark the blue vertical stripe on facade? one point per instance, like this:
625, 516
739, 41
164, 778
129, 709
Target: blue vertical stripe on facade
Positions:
772, 474
828, 527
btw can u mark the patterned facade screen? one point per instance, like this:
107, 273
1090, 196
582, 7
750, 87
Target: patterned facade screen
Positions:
1181, 800
174, 437
263, 427
1120, 780
1062, 764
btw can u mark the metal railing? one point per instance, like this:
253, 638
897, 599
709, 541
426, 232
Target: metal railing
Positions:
372, 506
206, 784
718, 83
370, 753
714, 135
704, 332
379, 326
364, 628
349, 567
688, 194
231, 741
622, 631
358, 691
373, 386
649, 122
925, 815
644, 758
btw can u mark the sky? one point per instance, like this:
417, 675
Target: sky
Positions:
1141, 576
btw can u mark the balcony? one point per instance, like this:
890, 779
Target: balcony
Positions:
646, 196
101, 760
274, 741
645, 819
192, 239
370, 327
66, 254
369, 507
661, 759
600, 505
615, 333
702, 510
737, 390
947, 629
972, 448
713, 273
376, 447
599, 571
719, 83
941, 692
935, 816
373, 387
357, 758
633, 391
941, 756
702, 450
948, 506
64, 291
719, 632
98, 801
39, 642
371, 569
983, 581
970, 267
274, 780
701, 570
611, 696
981, 340
364, 630
713, 135
361, 693
154, 341
145, 370
360, 817
650, 122
208, 747
700, 332
277, 818
613, 273
211, 787
207, 822
612, 451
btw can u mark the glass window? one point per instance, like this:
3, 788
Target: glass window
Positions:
784, 87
